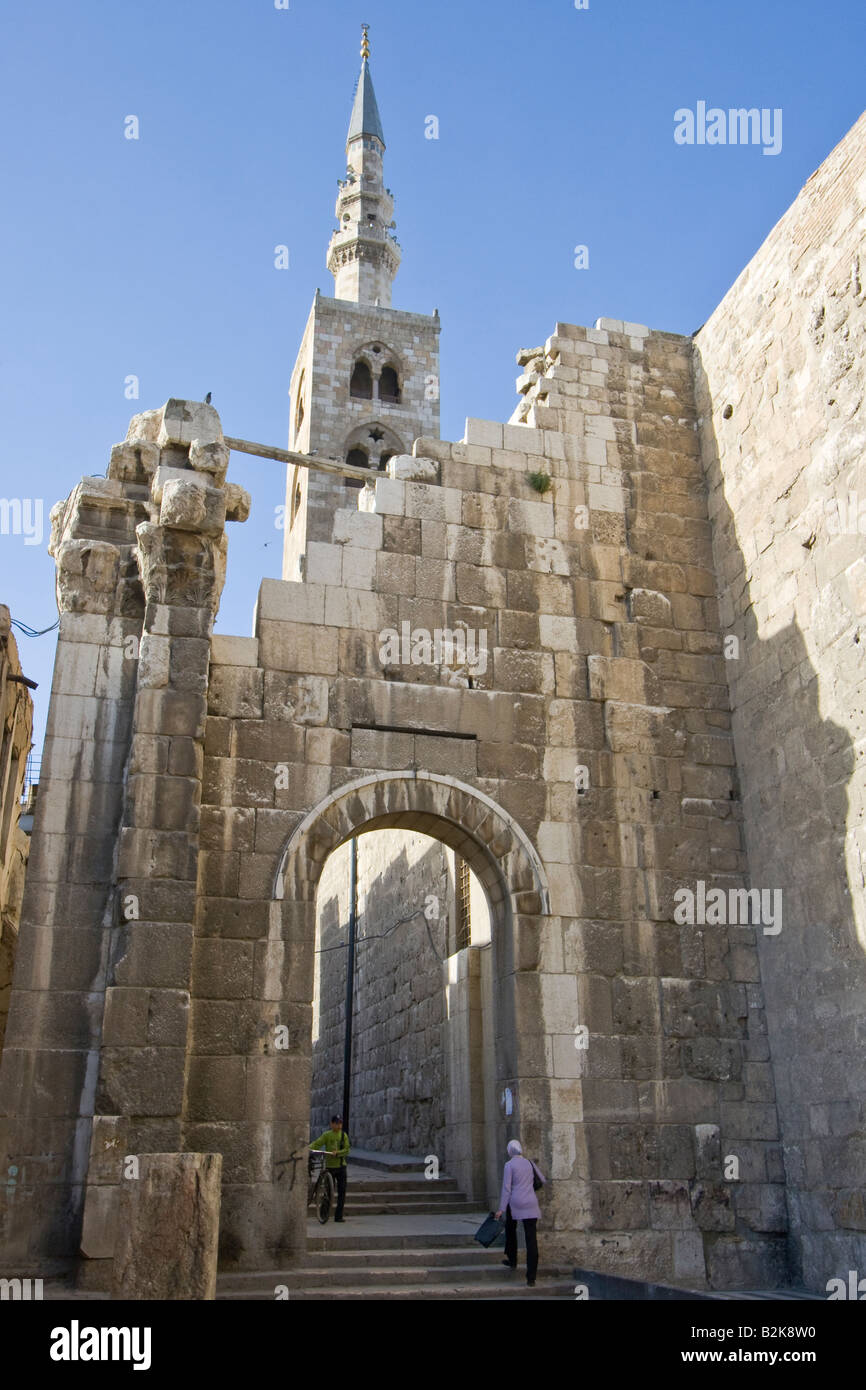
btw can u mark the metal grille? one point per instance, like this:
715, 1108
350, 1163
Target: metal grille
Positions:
464, 926
31, 775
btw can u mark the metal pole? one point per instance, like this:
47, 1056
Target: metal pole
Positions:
350, 981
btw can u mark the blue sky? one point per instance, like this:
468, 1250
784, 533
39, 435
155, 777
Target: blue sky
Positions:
155, 257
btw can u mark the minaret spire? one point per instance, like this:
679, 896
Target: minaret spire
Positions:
362, 257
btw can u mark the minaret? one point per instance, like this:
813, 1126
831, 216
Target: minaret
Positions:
362, 257
365, 384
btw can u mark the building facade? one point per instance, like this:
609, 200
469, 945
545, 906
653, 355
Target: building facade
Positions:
16, 732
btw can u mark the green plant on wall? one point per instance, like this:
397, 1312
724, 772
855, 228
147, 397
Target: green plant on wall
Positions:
540, 482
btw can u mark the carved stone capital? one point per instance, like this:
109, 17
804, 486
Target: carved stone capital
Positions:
180, 568
88, 576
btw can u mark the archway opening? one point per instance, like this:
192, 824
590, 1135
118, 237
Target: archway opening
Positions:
414, 1074
500, 855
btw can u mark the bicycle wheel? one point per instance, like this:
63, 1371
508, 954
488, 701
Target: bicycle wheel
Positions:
324, 1197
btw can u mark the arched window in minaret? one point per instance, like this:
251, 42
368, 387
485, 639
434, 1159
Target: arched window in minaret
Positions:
389, 386
299, 410
296, 496
361, 385
356, 458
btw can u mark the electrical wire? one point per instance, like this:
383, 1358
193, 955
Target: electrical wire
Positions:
29, 631
380, 936
372, 936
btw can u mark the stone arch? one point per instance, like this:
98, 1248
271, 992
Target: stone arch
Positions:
493, 844
379, 357
515, 883
377, 441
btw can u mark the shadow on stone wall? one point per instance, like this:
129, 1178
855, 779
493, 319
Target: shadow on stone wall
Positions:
794, 769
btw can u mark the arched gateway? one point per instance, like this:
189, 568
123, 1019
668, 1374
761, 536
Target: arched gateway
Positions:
498, 851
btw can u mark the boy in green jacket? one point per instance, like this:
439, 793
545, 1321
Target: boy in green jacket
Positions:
337, 1145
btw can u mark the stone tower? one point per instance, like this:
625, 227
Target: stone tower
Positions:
366, 380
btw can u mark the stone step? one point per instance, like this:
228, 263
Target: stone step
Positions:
412, 1201
768, 1295
342, 1238
341, 1261
393, 1183
386, 1162
326, 1276
401, 1206
620, 1288
515, 1288
388, 1191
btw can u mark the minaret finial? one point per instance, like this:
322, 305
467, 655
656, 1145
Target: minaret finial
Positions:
363, 256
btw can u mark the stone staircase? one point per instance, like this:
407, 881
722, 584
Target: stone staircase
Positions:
404, 1237
404, 1194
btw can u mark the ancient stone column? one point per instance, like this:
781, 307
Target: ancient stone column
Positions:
55, 1015
181, 559
98, 1015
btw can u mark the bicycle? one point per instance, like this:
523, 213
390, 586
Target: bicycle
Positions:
320, 1185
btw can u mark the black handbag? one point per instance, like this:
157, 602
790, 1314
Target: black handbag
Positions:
537, 1180
490, 1231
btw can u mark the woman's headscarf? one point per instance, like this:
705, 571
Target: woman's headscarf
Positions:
514, 1147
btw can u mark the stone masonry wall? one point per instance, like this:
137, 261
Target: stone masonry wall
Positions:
676, 1076
780, 379
399, 1072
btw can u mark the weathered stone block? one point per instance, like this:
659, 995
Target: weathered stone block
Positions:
299, 647
168, 1229
170, 712
622, 680
141, 1081
282, 601
210, 457
188, 504
619, 1206
216, 1089
181, 422
234, 651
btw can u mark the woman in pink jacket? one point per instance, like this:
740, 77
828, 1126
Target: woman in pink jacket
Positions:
519, 1202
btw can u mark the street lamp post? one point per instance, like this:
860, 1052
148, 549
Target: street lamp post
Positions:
350, 981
